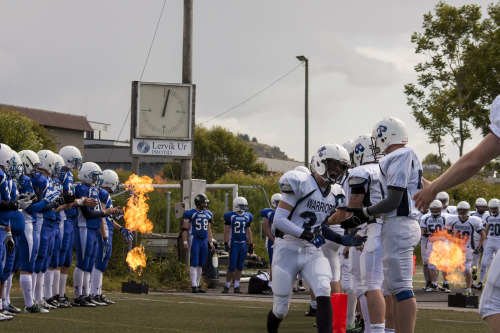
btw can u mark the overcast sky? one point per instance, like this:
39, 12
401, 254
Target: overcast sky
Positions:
80, 57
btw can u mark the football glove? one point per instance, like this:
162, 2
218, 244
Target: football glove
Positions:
361, 213
352, 240
127, 234
9, 243
315, 239
351, 222
481, 249
226, 247
23, 203
105, 245
476, 251
65, 199
250, 248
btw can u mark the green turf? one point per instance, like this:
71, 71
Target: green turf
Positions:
209, 313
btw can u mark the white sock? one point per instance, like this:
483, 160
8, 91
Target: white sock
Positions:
86, 284
26, 285
96, 279
78, 281
270, 284
9, 286
236, 283
4, 300
364, 310
62, 284
33, 284
48, 280
227, 285
352, 300
193, 272
198, 271
389, 330
39, 287
55, 283
377, 328
314, 305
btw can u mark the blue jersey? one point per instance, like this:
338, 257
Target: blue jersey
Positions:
85, 190
44, 186
25, 185
198, 222
106, 201
4, 195
268, 213
66, 178
239, 224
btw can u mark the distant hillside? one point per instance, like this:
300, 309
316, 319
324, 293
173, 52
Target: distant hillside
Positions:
263, 150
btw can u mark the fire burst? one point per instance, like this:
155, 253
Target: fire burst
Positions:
448, 254
136, 212
136, 259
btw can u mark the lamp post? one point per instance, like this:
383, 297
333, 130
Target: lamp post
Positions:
306, 122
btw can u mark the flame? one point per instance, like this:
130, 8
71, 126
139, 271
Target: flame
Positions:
136, 212
448, 254
136, 259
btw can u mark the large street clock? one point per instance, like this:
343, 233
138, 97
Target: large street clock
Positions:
164, 111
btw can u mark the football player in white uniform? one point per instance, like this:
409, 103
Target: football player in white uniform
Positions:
491, 247
429, 224
445, 200
464, 226
423, 249
481, 206
401, 177
307, 202
467, 166
365, 190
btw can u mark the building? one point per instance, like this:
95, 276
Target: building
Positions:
67, 129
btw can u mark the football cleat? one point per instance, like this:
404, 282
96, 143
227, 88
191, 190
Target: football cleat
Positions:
431, 289
194, 290
311, 312
446, 288
11, 308
267, 291
52, 301
43, 304
225, 290
82, 302
7, 313
237, 290
479, 286
35, 308
301, 288
201, 290
92, 300
5, 317
103, 299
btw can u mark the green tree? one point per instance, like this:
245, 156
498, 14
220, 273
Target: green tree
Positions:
446, 96
20, 132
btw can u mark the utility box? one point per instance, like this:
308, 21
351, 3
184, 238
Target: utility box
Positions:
180, 208
135, 288
460, 300
191, 188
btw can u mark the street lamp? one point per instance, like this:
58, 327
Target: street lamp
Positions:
306, 122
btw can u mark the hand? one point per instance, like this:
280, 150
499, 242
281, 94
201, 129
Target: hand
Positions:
315, 239
351, 222
127, 234
89, 202
64, 199
105, 245
226, 247
108, 211
345, 253
352, 239
476, 251
186, 246
23, 203
212, 246
10, 245
425, 196
481, 249
250, 248
361, 213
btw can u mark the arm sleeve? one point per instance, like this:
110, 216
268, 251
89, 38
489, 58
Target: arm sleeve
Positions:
391, 202
36, 207
48, 207
330, 234
8, 205
282, 223
89, 214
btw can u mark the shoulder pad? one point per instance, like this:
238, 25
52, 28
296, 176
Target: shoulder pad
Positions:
357, 181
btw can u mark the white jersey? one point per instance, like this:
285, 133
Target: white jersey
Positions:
367, 176
495, 116
431, 223
477, 237
339, 193
494, 222
402, 170
312, 205
465, 229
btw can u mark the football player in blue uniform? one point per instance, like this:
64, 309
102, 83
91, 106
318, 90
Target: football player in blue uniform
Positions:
89, 225
268, 215
110, 184
237, 235
197, 223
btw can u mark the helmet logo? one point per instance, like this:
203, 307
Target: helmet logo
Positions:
321, 150
359, 148
381, 129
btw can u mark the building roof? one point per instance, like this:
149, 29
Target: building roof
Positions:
52, 119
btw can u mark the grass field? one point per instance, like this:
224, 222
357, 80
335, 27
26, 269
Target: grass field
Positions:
207, 313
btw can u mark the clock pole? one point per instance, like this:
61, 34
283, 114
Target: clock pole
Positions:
187, 77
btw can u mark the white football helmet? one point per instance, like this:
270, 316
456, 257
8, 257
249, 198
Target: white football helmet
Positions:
436, 207
349, 146
444, 198
47, 160
110, 180
7, 159
17, 170
90, 173
58, 166
72, 157
481, 202
31, 162
494, 205
461, 207
331, 162
275, 199
240, 204
303, 169
364, 151
389, 131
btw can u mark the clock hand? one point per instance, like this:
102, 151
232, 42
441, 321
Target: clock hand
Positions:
165, 106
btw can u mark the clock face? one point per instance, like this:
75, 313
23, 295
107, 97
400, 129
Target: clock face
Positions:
164, 111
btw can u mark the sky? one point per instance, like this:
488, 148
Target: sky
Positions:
80, 57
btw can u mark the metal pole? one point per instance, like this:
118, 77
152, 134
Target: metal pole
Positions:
305, 59
169, 198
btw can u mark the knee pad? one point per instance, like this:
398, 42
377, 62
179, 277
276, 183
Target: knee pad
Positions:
280, 307
404, 295
323, 287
